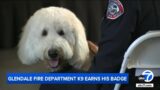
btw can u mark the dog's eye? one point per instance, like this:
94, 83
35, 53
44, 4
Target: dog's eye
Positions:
61, 32
44, 32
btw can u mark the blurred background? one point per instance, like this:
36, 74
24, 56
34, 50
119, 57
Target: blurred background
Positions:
13, 16
15, 13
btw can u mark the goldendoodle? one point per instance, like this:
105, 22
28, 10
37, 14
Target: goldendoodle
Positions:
56, 36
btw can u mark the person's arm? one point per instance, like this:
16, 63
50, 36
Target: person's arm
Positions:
116, 36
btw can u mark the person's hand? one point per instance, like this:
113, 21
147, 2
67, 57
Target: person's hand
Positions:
93, 47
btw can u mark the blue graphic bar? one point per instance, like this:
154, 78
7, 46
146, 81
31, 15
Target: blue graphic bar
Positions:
67, 78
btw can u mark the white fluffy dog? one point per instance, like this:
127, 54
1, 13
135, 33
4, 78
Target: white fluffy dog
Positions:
55, 35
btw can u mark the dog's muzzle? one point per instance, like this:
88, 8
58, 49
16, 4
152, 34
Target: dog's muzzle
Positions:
54, 58
53, 53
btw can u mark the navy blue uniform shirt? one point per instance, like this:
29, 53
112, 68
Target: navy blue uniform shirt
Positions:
118, 31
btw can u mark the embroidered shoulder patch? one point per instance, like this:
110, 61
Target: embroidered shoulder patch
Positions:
115, 9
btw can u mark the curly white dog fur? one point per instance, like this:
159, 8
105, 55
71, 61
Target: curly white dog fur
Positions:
57, 36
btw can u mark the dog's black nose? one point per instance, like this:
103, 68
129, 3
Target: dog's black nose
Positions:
52, 53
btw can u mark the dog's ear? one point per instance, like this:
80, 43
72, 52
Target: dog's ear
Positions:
81, 49
93, 51
26, 48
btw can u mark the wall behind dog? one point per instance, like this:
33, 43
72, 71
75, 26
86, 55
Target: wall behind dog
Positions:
14, 14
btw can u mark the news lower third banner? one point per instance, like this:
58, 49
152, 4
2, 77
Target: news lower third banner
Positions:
67, 78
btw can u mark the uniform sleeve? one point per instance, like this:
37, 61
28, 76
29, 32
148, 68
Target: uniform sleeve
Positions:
116, 36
